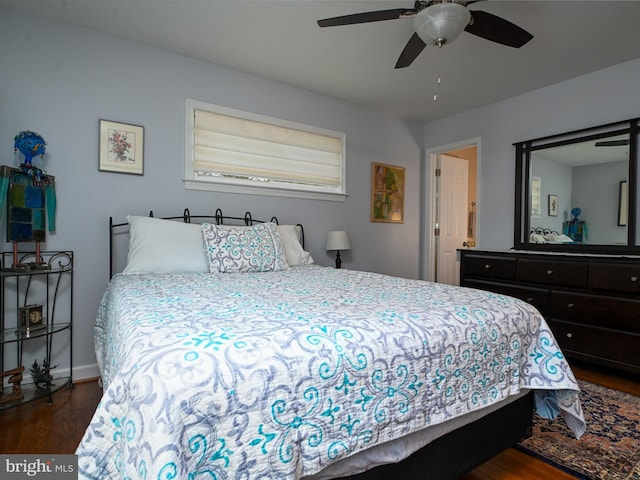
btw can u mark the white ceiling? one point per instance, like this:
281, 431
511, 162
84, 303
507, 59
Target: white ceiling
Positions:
281, 40
586, 152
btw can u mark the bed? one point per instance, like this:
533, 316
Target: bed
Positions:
546, 235
228, 365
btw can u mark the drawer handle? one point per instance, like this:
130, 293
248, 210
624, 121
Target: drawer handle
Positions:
549, 272
634, 279
487, 266
530, 299
570, 305
569, 335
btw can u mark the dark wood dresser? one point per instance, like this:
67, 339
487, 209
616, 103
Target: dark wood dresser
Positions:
591, 302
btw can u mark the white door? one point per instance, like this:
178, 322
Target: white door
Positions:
453, 217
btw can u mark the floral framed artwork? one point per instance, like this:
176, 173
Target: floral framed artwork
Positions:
553, 205
387, 193
121, 148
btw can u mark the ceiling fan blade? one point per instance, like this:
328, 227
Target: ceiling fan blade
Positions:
612, 143
490, 27
366, 17
411, 50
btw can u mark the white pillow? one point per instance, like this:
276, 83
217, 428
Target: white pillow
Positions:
536, 238
564, 239
164, 246
292, 248
233, 249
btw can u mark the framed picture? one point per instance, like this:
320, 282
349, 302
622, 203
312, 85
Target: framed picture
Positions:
121, 148
553, 205
387, 193
623, 200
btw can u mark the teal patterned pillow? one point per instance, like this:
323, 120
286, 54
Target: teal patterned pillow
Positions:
232, 249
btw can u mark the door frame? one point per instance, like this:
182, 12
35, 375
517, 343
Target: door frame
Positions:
429, 243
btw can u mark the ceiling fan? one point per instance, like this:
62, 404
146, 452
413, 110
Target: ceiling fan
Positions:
437, 22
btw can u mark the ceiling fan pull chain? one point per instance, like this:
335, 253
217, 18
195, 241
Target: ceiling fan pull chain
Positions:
435, 90
438, 78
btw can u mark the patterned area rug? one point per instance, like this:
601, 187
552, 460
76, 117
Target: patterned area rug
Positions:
610, 448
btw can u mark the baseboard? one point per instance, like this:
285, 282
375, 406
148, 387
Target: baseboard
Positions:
84, 372
81, 374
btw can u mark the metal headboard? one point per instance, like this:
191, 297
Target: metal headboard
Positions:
542, 231
218, 218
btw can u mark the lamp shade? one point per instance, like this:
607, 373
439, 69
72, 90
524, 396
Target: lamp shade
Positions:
338, 240
441, 23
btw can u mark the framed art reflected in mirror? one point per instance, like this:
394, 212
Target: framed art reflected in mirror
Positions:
553, 205
622, 204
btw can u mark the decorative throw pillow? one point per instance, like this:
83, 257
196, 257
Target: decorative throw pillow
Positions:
294, 253
256, 248
164, 246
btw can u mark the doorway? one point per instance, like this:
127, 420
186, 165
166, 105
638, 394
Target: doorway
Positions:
452, 219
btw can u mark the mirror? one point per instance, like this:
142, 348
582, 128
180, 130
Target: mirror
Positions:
576, 191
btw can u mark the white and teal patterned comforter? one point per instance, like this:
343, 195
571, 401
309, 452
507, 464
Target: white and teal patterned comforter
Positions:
277, 375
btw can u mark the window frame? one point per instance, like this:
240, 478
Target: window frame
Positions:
257, 187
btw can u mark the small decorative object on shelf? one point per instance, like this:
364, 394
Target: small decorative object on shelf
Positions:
15, 377
30, 318
41, 375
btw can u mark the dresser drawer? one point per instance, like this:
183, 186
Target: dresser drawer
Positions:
538, 297
606, 346
553, 272
615, 277
606, 312
488, 266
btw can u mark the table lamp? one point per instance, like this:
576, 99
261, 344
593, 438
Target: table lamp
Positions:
338, 240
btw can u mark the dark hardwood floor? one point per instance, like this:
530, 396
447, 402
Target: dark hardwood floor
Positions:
40, 428
515, 465
37, 427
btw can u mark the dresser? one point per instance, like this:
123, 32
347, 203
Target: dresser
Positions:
591, 302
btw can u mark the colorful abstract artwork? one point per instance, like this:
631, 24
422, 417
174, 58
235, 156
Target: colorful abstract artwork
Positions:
30, 204
387, 193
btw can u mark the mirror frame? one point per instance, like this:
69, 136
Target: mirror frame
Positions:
522, 194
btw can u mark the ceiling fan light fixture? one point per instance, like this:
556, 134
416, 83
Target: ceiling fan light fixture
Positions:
441, 23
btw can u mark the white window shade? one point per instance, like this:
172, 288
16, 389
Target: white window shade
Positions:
236, 148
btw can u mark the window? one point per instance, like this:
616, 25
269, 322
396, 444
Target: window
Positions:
233, 151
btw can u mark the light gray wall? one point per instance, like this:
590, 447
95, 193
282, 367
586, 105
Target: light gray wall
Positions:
592, 188
60, 80
555, 180
601, 97
596, 192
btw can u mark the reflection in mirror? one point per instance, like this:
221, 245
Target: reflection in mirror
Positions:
623, 202
577, 191
578, 186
